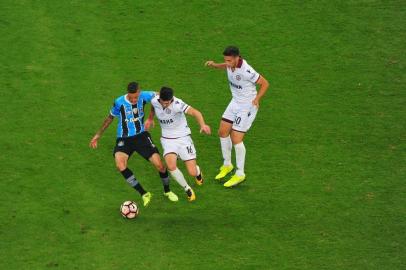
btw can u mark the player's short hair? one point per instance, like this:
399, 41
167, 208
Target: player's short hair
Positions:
132, 87
231, 51
166, 93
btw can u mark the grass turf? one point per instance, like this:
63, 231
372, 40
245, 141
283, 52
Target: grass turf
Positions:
326, 154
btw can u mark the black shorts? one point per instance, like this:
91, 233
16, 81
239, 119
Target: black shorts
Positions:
140, 143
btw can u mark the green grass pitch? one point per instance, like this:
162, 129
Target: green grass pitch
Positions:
326, 156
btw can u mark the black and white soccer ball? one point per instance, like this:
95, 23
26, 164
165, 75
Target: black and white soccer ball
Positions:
129, 209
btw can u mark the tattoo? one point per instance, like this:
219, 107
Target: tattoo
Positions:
105, 125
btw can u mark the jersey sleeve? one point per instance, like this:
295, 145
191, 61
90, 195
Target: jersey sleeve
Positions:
251, 75
115, 109
147, 96
180, 106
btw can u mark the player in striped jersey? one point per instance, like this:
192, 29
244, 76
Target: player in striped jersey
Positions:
132, 137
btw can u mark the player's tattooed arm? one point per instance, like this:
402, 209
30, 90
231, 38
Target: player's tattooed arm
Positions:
263, 87
199, 118
215, 65
96, 137
150, 121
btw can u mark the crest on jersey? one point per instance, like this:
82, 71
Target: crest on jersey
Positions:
135, 110
168, 111
120, 143
238, 78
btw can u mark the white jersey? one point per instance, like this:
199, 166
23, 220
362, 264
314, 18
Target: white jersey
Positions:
172, 119
242, 82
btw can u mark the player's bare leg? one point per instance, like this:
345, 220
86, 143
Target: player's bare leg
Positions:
171, 160
239, 176
155, 159
226, 147
121, 160
194, 171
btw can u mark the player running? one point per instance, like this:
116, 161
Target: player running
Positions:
131, 136
240, 113
176, 140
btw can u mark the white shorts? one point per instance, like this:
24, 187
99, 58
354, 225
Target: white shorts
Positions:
241, 115
183, 147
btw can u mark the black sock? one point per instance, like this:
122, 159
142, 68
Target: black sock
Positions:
165, 180
130, 178
140, 189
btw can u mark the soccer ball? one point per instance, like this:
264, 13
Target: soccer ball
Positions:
129, 209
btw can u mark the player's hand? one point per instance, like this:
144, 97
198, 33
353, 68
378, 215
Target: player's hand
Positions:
209, 63
255, 102
149, 123
93, 142
205, 129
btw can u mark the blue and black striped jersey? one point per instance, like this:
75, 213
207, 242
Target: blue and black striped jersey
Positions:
130, 117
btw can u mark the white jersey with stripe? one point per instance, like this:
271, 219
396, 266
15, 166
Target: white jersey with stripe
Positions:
243, 82
172, 119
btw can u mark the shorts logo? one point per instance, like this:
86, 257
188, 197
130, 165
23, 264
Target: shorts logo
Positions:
120, 143
135, 110
238, 78
168, 111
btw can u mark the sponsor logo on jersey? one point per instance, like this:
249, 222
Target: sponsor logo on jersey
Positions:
238, 78
166, 121
132, 120
135, 110
235, 85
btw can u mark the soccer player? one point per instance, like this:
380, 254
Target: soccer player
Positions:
131, 136
176, 140
240, 112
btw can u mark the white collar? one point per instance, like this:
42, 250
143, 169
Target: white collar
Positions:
126, 99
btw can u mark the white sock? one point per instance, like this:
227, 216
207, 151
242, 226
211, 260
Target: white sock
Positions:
178, 175
197, 170
226, 147
240, 158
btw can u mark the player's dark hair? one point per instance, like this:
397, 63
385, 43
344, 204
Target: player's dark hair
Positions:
231, 51
166, 93
132, 87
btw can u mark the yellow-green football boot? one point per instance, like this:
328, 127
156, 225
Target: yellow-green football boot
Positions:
171, 196
224, 170
146, 198
234, 180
